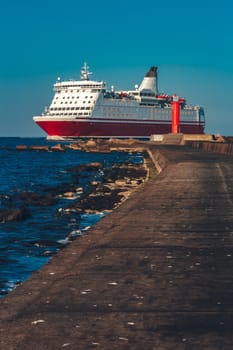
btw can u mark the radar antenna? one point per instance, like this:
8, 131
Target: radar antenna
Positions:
85, 72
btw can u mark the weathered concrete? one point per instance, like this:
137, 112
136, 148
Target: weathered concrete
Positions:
218, 147
157, 273
181, 139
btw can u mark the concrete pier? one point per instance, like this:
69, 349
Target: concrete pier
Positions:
157, 273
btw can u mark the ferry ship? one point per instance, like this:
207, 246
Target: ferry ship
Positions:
85, 108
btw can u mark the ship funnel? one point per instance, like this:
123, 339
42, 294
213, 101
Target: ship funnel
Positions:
150, 81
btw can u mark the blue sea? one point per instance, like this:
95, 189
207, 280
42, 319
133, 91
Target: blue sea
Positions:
28, 244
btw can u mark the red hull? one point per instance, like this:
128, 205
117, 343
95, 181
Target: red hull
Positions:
116, 129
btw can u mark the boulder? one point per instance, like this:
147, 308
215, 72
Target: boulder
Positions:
22, 147
17, 214
39, 148
86, 167
57, 147
79, 190
91, 143
69, 194
37, 199
74, 146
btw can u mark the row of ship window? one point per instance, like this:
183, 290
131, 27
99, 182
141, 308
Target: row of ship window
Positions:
69, 108
62, 114
73, 97
70, 102
78, 90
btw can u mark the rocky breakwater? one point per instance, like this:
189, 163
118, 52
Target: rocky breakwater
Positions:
116, 185
81, 145
112, 186
89, 145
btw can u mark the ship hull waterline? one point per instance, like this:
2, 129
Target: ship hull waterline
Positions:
75, 129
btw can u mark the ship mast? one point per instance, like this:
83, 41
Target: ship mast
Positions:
84, 74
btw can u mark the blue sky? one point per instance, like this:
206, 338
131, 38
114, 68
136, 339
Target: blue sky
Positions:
190, 42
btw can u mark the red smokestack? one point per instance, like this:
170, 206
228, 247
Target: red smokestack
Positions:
175, 115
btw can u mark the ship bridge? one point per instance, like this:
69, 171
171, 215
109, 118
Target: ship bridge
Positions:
82, 84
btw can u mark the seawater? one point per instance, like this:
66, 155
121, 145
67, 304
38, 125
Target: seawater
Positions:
27, 245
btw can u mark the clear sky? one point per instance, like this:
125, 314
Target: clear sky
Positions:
191, 42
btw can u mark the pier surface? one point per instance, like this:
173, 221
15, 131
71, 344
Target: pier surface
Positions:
157, 273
